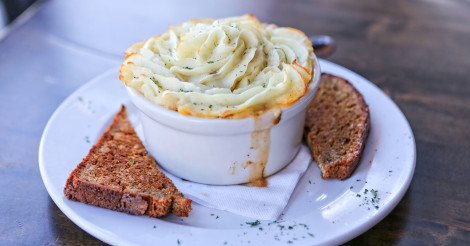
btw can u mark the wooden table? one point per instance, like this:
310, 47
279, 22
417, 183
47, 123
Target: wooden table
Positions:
416, 51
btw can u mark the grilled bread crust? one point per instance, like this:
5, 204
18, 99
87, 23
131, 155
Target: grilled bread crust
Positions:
119, 174
337, 125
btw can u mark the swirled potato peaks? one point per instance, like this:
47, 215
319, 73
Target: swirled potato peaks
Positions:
226, 68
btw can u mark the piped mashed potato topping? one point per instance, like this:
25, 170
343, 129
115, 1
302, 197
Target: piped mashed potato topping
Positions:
226, 68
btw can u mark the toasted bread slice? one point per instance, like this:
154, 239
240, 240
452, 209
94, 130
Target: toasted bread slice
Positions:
119, 174
337, 126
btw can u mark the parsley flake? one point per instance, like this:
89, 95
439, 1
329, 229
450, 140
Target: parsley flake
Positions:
156, 82
254, 223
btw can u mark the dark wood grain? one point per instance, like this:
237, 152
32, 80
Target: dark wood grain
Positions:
418, 52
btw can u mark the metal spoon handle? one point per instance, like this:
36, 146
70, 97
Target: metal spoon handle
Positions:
323, 46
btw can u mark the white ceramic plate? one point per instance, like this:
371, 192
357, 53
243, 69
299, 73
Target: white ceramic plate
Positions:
319, 212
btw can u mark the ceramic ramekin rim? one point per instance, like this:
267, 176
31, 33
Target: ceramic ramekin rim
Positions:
218, 126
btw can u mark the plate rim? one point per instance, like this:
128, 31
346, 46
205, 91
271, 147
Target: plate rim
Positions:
359, 230
112, 239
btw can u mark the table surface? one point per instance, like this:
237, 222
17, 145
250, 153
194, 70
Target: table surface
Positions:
416, 51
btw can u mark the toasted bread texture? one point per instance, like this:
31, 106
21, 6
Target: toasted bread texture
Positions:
119, 174
337, 125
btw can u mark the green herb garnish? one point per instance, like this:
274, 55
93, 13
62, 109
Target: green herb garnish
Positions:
156, 82
374, 193
254, 223
228, 37
285, 56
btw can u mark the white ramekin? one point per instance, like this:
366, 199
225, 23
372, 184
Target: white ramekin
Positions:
216, 151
